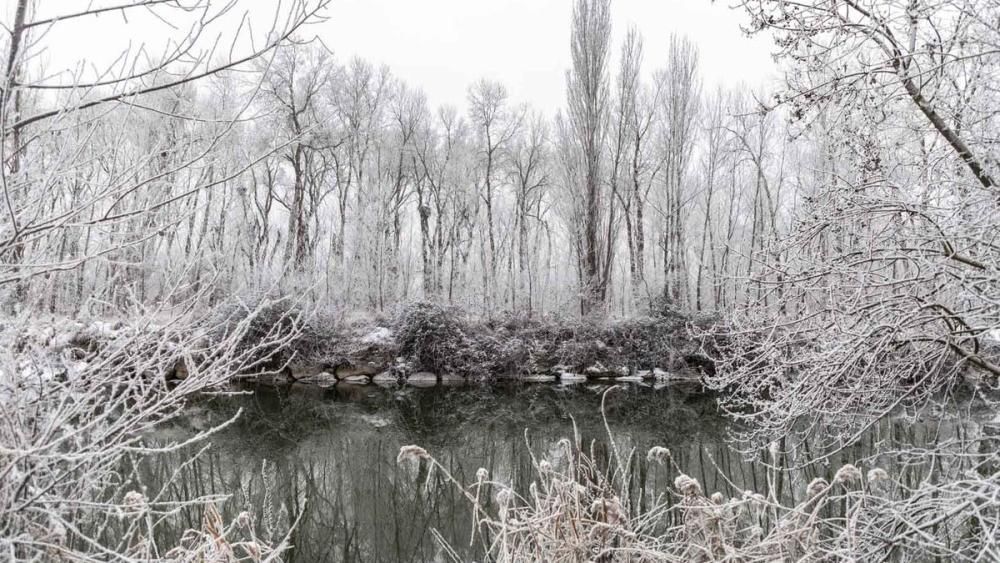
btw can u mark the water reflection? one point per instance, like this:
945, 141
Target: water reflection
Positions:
326, 458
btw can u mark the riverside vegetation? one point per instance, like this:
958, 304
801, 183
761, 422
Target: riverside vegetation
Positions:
430, 341
222, 233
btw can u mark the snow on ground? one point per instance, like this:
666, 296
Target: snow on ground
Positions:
35, 354
380, 336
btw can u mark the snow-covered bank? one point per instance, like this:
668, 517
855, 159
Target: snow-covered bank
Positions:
422, 345
425, 344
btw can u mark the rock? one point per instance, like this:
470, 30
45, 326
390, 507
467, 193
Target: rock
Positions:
322, 379
598, 370
343, 371
385, 378
630, 378
537, 378
273, 379
422, 379
357, 379
452, 378
570, 377
660, 375
302, 372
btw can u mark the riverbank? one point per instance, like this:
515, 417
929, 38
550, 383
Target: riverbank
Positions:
421, 345
425, 345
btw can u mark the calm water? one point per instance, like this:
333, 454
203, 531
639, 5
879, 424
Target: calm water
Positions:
327, 458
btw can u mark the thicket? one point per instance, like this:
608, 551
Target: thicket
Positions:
512, 345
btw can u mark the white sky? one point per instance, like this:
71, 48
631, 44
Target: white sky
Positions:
443, 46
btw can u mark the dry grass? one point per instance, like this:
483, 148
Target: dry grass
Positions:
578, 511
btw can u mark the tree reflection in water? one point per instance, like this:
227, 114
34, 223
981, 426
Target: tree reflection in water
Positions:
327, 458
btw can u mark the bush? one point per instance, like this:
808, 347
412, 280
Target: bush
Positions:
434, 336
267, 331
441, 339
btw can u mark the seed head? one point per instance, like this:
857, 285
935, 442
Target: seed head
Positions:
135, 502
847, 474
659, 454
877, 474
412, 453
816, 487
687, 486
610, 509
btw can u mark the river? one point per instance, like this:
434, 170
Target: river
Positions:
326, 459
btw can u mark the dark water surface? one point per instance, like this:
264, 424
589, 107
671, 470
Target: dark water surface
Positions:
327, 458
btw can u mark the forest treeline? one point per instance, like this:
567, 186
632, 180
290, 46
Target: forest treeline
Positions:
843, 226
303, 172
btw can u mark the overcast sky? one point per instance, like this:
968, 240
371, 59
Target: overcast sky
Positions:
445, 45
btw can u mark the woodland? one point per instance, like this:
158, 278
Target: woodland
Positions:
230, 199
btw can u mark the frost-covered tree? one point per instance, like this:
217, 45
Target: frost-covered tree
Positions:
109, 177
886, 291
587, 86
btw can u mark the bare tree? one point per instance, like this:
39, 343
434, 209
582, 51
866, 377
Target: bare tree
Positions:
115, 198
712, 162
634, 158
679, 103
97, 174
588, 100
529, 157
294, 84
495, 125
889, 275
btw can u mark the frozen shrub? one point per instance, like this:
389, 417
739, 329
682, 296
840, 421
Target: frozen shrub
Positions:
663, 307
433, 335
258, 325
442, 339
579, 353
